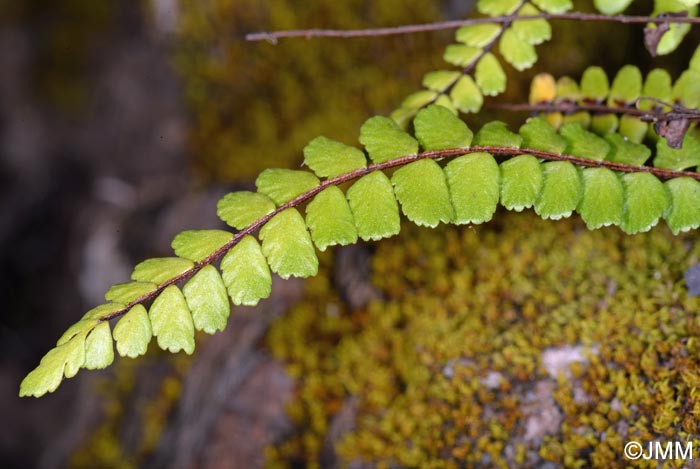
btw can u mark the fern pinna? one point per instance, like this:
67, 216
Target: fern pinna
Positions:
624, 154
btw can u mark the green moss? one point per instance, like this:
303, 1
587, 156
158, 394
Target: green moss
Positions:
139, 394
463, 304
255, 105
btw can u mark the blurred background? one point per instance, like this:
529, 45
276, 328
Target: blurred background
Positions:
121, 124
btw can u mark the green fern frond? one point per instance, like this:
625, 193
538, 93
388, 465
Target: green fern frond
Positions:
626, 105
516, 41
454, 179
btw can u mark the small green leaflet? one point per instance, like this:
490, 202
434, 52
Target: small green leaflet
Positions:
603, 198
583, 143
81, 327
539, 135
98, 312
171, 321
672, 38
440, 80
602, 124
99, 352
402, 116
582, 118
532, 31
594, 84
160, 269
422, 190
246, 273
521, 182
466, 96
684, 209
287, 245
196, 245
385, 140
461, 55
75, 355
518, 53
374, 207
695, 60
446, 102
497, 7
419, 99
567, 88
490, 75
626, 87
687, 89
633, 129
658, 85
206, 297
330, 158
611, 7
678, 159
478, 35
438, 129
496, 133
624, 151
330, 219
474, 182
561, 190
240, 209
677, 31
283, 185
645, 202
62, 360
47, 376
128, 292
133, 332
554, 6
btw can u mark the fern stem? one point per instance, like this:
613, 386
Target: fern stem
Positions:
401, 161
274, 36
570, 107
508, 21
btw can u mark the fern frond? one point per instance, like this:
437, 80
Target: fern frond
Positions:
627, 107
516, 41
455, 179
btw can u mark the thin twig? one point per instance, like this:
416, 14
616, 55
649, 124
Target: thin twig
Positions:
508, 21
273, 36
401, 161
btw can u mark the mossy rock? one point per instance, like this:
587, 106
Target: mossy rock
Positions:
514, 344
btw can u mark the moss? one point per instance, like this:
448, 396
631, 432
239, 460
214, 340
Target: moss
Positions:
449, 369
137, 399
255, 105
